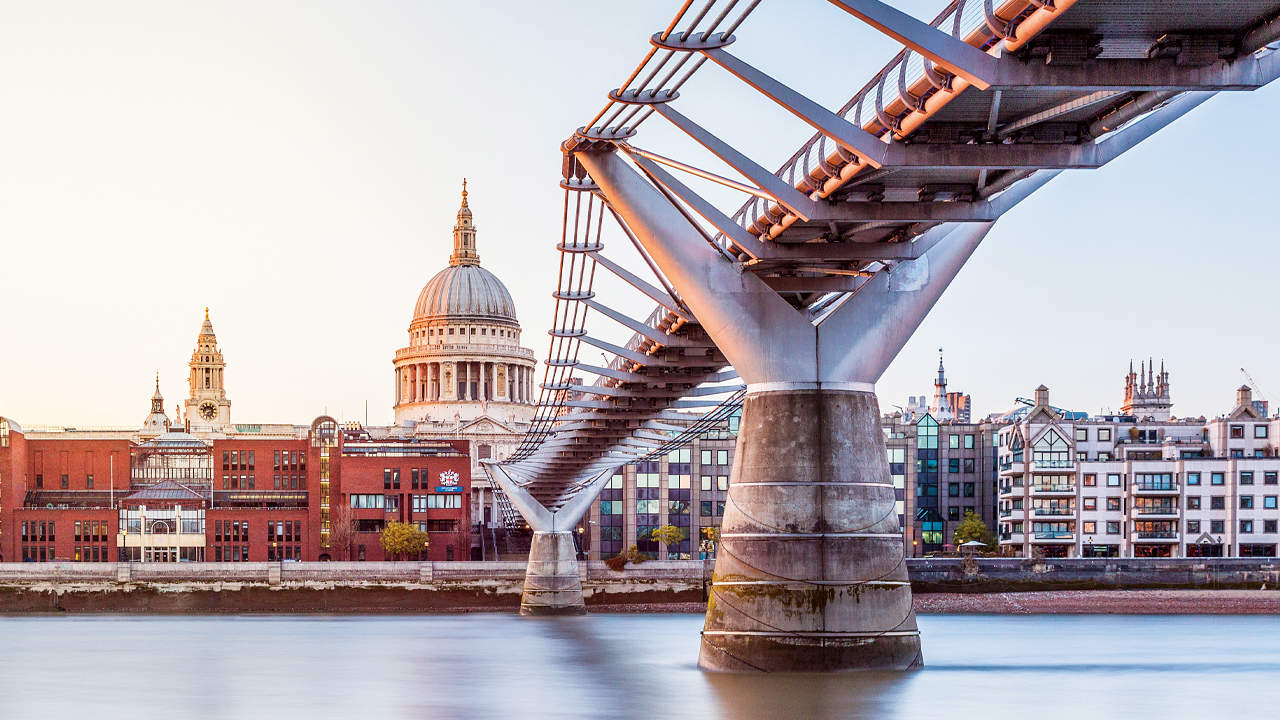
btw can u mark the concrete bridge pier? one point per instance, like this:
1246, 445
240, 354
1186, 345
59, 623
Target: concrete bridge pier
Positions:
809, 574
552, 585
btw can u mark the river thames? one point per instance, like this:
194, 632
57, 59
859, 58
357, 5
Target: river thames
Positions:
621, 666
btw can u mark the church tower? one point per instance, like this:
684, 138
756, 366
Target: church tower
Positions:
941, 409
157, 423
207, 407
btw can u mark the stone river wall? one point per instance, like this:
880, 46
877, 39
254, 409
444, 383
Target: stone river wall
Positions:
414, 587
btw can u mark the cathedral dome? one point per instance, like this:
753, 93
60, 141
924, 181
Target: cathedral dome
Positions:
465, 292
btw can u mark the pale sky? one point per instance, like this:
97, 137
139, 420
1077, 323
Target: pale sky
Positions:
296, 166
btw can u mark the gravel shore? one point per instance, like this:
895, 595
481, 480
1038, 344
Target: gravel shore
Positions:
1069, 602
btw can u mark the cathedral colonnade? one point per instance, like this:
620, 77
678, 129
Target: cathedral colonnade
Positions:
476, 380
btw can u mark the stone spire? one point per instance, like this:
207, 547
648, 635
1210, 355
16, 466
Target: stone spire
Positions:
464, 235
942, 409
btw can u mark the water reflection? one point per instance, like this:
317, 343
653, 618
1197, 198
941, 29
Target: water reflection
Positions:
620, 666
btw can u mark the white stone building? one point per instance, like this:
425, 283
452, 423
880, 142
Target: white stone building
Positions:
1139, 486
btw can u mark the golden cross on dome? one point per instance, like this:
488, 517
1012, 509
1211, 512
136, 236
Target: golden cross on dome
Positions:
464, 192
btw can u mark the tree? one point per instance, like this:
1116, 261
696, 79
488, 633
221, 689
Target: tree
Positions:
971, 528
668, 535
342, 531
400, 539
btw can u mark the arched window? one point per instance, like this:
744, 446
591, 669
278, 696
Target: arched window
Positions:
1051, 450
1016, 447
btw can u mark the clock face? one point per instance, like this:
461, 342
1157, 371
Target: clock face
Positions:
208, 410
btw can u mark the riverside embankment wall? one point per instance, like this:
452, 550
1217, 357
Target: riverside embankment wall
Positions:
412, 587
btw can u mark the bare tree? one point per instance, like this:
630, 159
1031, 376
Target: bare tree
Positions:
342, 531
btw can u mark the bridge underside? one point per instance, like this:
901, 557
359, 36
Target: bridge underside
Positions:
810, 289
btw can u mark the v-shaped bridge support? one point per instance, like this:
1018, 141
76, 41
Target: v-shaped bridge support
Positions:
809, 572
552, 581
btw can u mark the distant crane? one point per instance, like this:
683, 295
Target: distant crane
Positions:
1254, 384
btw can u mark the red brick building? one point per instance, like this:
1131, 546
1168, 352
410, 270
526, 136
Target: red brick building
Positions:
315, 492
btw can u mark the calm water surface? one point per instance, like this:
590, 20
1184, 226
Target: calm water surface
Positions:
621, 666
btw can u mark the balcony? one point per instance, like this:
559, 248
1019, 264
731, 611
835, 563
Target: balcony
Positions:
1155, 488
1055, 536
1054, 512
1156, 511
1052, 465
1054, 489
1156, 536
1013, 468
1011, 488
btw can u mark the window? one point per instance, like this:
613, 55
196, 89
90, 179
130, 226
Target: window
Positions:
722, 482
1217, 502
704, 508
1089, 527
1246, 478
64, 481
968, 442
1082, 434
953, 513
1193, 526
1113, 480
1246, 527
722, 457
1193, 478
1246, 502
1260, 431
1269, 502
968, 489
705, 481
1237, 432
953, 489
1104, 434
1193, 502
953, 442
1090, 503
1051, 450
706, 457
1269, 477
1113, 527
1217, 526
1269, 526
362, 502
1113, 504
88, 481
953, 464
969, 466
1090, 480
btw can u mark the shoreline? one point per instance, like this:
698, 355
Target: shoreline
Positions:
384, 600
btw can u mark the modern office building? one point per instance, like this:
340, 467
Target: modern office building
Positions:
1142, 483
940, 471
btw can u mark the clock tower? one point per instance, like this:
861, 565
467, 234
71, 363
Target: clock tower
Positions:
207, 407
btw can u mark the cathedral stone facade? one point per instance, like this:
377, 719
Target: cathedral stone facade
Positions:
464, 374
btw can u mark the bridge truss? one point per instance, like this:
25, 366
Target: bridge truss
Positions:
861, 229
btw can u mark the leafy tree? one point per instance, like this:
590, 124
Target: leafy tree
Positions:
711, 533
667, 535
401, 539
971, 528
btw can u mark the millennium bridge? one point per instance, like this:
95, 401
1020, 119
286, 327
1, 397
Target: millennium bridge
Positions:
793, 305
